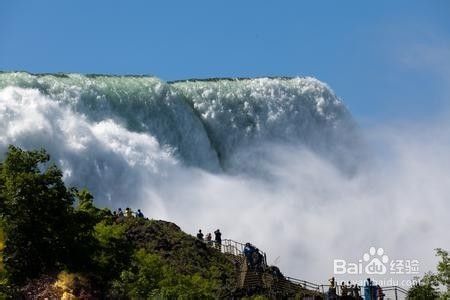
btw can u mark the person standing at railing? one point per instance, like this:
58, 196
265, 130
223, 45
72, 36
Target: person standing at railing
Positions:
369, 290
128, 212
351, 289
344, 290
332, 289
218, 238
120, 213
200, 235
380, 294
208, 239
332, 281
257, 258
248, 252
139, 214
356, 291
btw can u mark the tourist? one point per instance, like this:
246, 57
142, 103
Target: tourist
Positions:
128, 212
200, 235
248, 253
344, 290
119, 213
209, 238
218, 238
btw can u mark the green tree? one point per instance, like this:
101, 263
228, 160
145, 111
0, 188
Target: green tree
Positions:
81, 224
443, 271
85, 205
142, 279
150, 277
35, 206
434, 285
425, 289
113, 251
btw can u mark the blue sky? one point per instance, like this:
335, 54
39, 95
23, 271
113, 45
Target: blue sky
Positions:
388, 60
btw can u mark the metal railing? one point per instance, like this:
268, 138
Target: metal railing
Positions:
390, 292
228, 246
397, 292
305, 284
394, 292
236, 249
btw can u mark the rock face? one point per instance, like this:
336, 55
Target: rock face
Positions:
41, 288
63, 286
182, 251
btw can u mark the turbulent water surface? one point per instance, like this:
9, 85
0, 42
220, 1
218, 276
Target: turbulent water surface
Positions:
205, 124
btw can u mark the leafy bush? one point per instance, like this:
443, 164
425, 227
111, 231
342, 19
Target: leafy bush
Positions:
113, 251
3, 275
35, 205
2, 247
430, 285
149, 276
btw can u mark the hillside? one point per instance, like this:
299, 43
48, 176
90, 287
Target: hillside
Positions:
143, 258
157, 259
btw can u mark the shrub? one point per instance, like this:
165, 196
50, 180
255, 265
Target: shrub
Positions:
35, 205
113, 251
150, 276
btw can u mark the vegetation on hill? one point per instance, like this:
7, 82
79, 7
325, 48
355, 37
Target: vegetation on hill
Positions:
54, 241
434, 285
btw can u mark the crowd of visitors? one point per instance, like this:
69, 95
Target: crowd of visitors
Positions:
253, 256
120, 215
255, 260
353, 291
208, 239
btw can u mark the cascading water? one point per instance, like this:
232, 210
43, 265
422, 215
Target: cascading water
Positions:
246, 113
205, 124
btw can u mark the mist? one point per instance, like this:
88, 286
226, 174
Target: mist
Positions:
310, 212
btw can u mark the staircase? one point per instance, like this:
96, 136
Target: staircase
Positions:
263, 278
271, 282
249, 278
